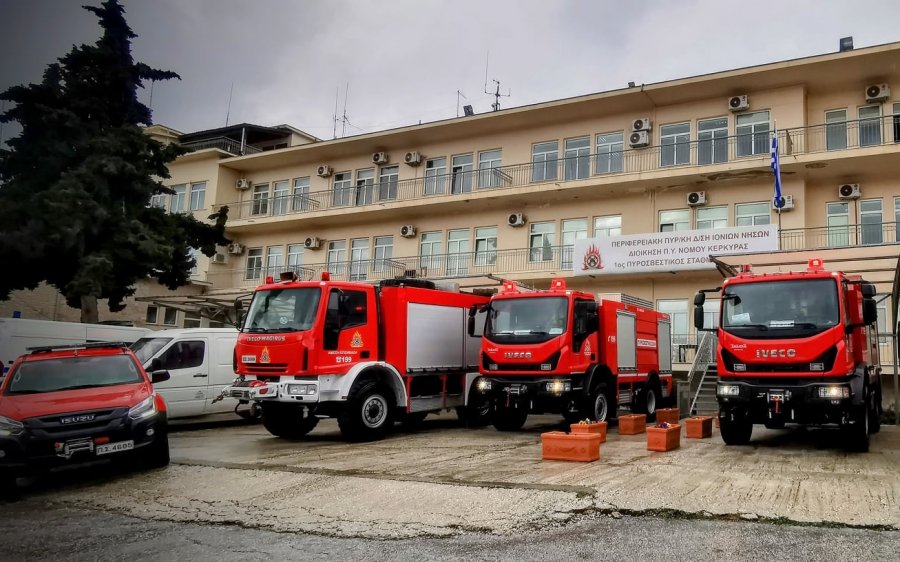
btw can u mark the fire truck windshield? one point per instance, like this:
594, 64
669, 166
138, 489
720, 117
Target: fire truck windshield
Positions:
283, 310
778, 309
526, 320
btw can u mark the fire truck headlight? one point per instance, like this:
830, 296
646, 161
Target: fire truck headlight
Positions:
301, 389
728, 390
834, 392
740, 367
492, 366
483, 385
558, 387
546, 367
817, 366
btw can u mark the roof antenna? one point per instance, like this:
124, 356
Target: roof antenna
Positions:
334, 117
458, 95
496, 93
228, 111
344, 118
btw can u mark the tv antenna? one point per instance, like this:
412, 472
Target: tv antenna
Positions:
228, 111
496, 93
458, 95
343, 118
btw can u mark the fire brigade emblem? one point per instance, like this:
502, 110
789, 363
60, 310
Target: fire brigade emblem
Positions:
587, 347
264, 356
592, 259
357, 340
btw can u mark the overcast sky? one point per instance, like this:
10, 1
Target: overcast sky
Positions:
404, 60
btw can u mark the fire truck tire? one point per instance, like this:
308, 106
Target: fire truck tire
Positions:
287, 421
875, 423
856, 434
735, 432
509, 418
602, 404
477, 414
647, 399
367, 414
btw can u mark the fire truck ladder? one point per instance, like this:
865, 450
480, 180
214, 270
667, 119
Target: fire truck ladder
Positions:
703, 376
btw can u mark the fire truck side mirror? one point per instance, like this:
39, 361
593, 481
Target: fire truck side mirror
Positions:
238, 311
698, 314
870, 311
699, 299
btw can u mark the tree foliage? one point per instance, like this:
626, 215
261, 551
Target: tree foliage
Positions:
77, 181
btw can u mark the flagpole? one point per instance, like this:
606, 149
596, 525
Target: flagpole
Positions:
776, 168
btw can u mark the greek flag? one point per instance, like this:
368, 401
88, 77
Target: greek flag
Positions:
776, 169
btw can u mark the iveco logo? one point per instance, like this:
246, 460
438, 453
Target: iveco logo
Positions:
775, 352
517, 355
78, 419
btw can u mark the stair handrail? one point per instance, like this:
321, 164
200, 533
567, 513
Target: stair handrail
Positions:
704, 358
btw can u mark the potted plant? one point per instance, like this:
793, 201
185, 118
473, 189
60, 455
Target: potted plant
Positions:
698, 427
668, 415
589, 426
578, 447
632, 424
663, 437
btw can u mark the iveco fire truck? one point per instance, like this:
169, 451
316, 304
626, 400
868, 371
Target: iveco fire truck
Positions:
560, 351
364, 354
799, 348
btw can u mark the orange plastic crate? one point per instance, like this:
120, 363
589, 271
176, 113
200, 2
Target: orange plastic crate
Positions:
578, 447
596, 427
632, 424
698, 427
668, 415
663, 439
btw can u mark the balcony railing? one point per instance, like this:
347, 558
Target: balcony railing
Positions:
866, 234
673, 155
222, 143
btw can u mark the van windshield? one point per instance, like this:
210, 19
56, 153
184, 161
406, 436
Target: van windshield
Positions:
71, 373
146, 348
283, 310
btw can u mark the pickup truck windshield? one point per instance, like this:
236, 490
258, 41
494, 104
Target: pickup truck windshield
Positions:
283, 310
71, 373
526, 320
778, 309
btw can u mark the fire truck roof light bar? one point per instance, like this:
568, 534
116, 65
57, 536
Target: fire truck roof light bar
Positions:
815, 264
558, 284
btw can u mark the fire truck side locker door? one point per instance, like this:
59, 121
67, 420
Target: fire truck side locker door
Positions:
626, 341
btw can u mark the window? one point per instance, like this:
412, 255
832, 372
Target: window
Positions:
170, 317
675, 144
343, 190
869, 125
608, 226
388, 183
158, 200
897, 122
294, 257
301, 200
610, 152
753, 133
359, 258
384, 251
578, 158
897, 219
176, 204
152, 316
347, 309
458, 252
198, 196
836, 129
183, 355
194, 254
489, 174
711, 312
544, 160
486, 245
870, 219
751, 214
672, 221
337, 255
677, 309
572, 230
365, 186
254, 264
712, 217
281, 201
435, 176
838, 221
430, 251
461, 174
260, 204
274, 261
712, 141
192, 320
541, 240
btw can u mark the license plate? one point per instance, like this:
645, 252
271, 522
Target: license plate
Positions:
776, 397
114, 447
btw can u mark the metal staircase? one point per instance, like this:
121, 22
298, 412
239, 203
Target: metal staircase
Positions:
703, 377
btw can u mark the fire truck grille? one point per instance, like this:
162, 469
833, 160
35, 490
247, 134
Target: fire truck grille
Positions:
269, 368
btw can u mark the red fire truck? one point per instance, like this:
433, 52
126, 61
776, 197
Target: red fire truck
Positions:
799, 348
366, 355
560, 351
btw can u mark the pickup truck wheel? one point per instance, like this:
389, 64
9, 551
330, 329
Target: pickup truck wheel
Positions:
602, 406
8, 488
367, 415
287, 420
510, 418
735, 432
156, 455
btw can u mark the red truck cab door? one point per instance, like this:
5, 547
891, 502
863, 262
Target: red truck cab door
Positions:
584, 335
349, 330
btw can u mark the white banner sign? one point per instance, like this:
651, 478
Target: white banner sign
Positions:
669, 251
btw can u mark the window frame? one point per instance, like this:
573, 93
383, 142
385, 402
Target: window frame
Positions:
674, 224
259, 198
545, 249
198, 196
250, 267
605, 151
579, 156
680, 141
342, 189
757, 147
487, 177
488, 255
753, 216
388, 182
723, 209
716, 143
540, 160
607, 234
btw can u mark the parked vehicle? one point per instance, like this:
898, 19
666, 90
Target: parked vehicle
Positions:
71, 404
200, 364
797, 347
366, 355
560, 351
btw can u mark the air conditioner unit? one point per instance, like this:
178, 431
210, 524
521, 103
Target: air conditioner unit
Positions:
380, 158
787, 203
849, 191
877, 93
639, 139
407, 231
242, 183
642, 124
324, 171
413, 158
217, 258
696, 198
312, 243
515, 219
738, 103
235, 248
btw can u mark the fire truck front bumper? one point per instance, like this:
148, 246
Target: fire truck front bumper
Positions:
305, 391
814, 402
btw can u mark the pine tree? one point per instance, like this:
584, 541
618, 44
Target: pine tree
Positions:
76, 183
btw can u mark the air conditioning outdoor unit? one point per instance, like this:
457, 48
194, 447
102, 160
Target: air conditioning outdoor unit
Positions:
407, 231
639, 139
413, 158
380, 158
312, 243
642, 124
324, 171
515, 219
787, 203
696, 198
849, 191
235, 248
218, 258
738, 103
242, 183
877, 93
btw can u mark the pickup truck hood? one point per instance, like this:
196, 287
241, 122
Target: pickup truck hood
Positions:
24, 406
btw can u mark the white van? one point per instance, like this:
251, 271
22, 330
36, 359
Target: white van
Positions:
199, 361
18, 334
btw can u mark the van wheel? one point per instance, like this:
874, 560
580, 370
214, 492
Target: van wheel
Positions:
287, 420
510, 418
367, 415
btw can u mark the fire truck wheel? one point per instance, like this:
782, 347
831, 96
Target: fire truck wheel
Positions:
367, 415
287, 421
510, 418
476, 414
875, 412
735, 432
647, 400
602, 406
856, 434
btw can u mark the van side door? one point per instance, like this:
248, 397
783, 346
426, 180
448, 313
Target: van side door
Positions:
221, 372
188, 365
